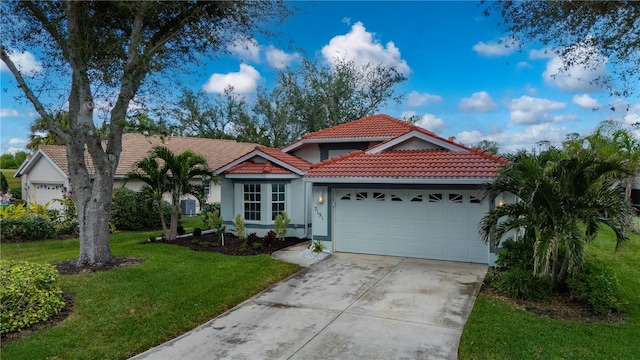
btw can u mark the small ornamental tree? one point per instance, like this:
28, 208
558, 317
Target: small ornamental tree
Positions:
280, 224
240, 228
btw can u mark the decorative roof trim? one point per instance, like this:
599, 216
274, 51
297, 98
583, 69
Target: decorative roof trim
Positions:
304, 141
417, 133
28, 164
260, 153
262, 176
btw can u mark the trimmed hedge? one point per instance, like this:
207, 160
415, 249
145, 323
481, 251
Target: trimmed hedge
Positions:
29, 294
27, 228
135, 211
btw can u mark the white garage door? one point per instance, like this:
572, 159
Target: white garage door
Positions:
47, 193
430, 224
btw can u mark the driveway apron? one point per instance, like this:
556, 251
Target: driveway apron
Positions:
348, 306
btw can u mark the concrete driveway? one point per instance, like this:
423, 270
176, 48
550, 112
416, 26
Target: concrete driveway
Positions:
348, 306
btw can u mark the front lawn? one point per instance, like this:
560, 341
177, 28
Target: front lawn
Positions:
496, 330
125, 311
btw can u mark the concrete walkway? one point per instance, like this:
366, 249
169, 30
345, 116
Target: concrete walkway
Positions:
347, 306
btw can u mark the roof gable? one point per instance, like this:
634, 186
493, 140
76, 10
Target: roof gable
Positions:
377, 127
273, 156
417, 135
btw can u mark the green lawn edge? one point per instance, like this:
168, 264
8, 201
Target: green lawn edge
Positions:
125, 311
496, 330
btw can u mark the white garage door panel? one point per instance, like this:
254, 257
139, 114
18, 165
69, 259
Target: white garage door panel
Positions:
434, 224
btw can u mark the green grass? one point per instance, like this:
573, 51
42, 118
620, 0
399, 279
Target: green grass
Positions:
122, 312
13, 182
496, 330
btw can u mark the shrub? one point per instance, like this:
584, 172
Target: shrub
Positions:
209, 208
29, 294
522, 284
197, 232
27, 228
216, 222
317, 246
596, 286
4, 184
244, 247
635, 225
252, 238
270, 237
241, 232
17, 192
257, 246
132, 210
516, 254
280, 224
180, 230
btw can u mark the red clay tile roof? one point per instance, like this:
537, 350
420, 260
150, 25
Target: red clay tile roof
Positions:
292, 160
137, 146
409, 164
250, 167
376, 126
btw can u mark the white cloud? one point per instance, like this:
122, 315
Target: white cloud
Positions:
9, 112
244, 81
245, 49
576, 78
279, 59
478, 102
505, 46
513, 141
431, 123
24, 61
17, 142
530, 90
524, 65
530, 110
416, 99
585, 101
360, 45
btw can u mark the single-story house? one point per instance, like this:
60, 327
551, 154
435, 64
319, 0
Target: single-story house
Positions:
377, 185
45, 174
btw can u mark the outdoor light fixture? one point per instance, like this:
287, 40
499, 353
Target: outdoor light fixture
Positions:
320, 198
500, 202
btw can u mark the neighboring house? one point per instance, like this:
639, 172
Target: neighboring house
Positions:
377, 185
45, 174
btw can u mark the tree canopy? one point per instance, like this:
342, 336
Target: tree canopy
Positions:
562, 199
105, 52
583, 33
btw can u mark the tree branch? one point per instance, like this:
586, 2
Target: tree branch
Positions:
30, 95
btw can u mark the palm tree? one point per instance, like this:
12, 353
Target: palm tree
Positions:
39, 127
156, 184
562, 200
173, 176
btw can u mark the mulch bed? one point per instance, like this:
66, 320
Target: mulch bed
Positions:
232, 244
557, 307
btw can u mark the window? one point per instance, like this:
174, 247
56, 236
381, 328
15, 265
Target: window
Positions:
395, 197
475, 199
378, 196
361, 195
346, 197
434, 198
455, 198
206, 185
252, 200
277, 200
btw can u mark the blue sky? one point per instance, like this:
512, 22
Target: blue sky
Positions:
462, 79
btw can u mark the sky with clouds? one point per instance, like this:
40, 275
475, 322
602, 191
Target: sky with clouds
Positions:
466, 78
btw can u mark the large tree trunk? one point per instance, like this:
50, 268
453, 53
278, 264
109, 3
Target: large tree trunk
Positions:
92, 194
